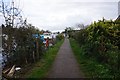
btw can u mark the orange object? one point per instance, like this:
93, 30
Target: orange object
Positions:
47, 43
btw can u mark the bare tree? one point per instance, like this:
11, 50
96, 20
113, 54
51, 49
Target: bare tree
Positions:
81, 26
11, 13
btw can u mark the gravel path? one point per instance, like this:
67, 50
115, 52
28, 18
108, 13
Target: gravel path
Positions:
65, 64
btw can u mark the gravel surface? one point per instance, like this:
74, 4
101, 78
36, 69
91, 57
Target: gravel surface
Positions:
65, 64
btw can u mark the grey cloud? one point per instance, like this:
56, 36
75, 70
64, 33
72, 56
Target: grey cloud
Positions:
58, 14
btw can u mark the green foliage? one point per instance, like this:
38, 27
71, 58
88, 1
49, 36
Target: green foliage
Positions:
25, 51
42, 67
101, 41
60, 37
81, 36
89, 65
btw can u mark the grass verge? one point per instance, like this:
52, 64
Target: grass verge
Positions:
42, 67
78, 54
90, 67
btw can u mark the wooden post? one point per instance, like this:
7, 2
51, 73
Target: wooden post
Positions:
37, 48
34, 56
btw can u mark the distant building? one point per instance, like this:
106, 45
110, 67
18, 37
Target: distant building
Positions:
47, 35
54, 35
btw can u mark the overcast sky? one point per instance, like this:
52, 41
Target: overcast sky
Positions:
56, 15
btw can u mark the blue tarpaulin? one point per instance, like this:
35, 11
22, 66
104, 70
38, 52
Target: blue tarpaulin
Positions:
39, 36
35, 35
42, 37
